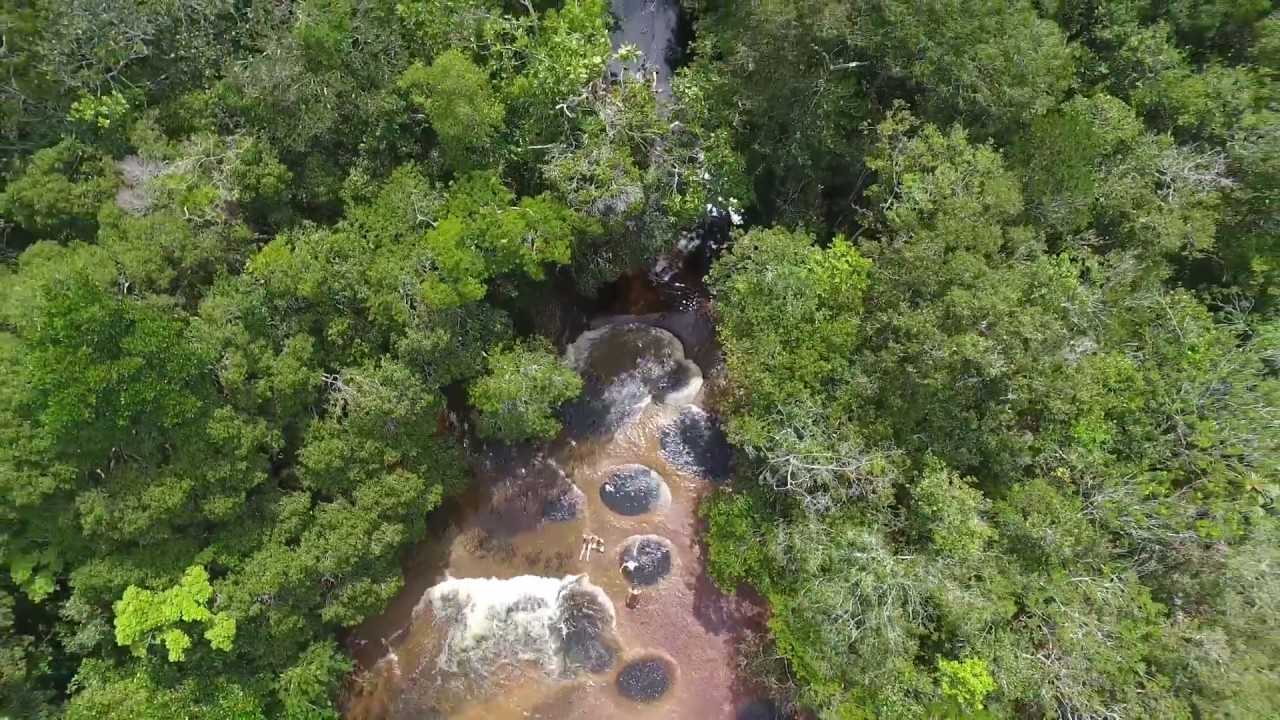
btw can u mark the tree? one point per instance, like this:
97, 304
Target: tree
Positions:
1214, 26
1249, 245
947, 515
754, 64
638, 177
848, 616
111, 374
789, 314
1000, 344
524, 386
772, 289
138, 694
554, 66
60, 190
144, 617
23, 662
164, 252
967, 682
307, 689
1015, 456
460, 104
1062, 153
991, 66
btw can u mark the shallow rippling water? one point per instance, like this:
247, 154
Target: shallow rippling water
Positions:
506, 616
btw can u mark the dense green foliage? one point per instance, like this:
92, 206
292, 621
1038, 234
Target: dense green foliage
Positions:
1013, 451
1002, 352
516, 397
251, 249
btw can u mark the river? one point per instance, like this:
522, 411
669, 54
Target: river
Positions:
653, 26
569, 583
504, 615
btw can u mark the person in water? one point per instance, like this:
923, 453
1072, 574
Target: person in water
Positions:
590, 543
633, 598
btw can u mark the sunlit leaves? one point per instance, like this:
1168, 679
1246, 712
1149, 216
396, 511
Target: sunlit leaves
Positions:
145, 616
967, 681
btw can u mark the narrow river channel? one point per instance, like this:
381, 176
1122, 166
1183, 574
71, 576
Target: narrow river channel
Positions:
507, 615
570, 582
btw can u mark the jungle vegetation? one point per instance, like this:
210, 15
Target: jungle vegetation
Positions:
1001, 339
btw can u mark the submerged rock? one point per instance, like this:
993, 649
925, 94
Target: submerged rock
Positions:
645, 559
635, 490
646, 679
695, 443
625, 368
611, 351
759, 710
532, 490
586, 631
564, 505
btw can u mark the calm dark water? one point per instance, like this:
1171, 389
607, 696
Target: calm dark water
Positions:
654, 27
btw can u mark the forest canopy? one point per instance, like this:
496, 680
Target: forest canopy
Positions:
1000, 336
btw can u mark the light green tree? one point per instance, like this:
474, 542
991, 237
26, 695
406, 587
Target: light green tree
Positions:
966, 682
517, 398
144, 617
459, 102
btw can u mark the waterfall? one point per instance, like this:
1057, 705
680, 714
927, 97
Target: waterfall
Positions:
560, 625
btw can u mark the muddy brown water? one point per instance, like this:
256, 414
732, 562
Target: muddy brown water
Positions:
476, 634
503, 615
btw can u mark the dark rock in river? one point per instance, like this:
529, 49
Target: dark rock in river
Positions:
646, 559
759, 710
695, 443
634, 490
586, 627
609, 352
646, 679
624, 368
565, 504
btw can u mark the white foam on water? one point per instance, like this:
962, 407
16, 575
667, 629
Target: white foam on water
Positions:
491, 622
579, 351
687, 393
